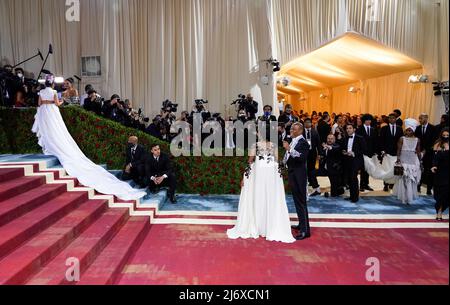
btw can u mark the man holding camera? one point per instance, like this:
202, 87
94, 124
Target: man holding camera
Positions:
93, 102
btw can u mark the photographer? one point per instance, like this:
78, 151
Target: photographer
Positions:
114, 109
201, 109
93, 102
247, 104
168, 118
154, 128
8, 86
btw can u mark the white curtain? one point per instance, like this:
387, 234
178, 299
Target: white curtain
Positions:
151, 50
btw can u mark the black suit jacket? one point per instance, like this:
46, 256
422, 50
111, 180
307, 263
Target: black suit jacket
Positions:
324, 129
371, 141
160, 168
332, 159
388, 142
315, 142
299, 163
428, 139
441, 161
359, 144
139, 156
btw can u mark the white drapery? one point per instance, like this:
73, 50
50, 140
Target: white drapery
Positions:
151, 50
186, 49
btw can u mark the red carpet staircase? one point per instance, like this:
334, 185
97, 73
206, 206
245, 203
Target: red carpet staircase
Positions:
42, 225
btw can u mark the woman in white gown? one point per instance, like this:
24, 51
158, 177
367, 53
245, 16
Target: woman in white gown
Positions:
262, 206
55, 140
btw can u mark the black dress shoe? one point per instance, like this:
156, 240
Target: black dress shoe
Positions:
348, 199
303, 236
296, 228
362, 190
368, 188
173, 199
316, 193
386, 188
429, 193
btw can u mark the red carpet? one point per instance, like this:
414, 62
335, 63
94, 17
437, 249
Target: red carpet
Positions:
42, 225
184, 254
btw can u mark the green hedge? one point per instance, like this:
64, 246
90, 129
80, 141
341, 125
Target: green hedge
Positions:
104, 142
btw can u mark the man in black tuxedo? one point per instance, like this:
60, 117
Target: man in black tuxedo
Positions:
331, 154
388, 141
267, 117
135, 162
324, 128
288, 118
352, 150
427, 135
398, 116
159, 172
312, 137
282, 135
370, 136
295, 159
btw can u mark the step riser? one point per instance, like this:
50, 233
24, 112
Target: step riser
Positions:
13, 243
30, 205
22, 275
14, 191
11, 175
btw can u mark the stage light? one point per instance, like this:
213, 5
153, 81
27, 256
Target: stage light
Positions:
41, 81
284, 81
59, 80
416, 79
354, 90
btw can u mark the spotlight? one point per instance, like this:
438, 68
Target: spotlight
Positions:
416, 79
285, 81
59, 80
275, 63
354, 90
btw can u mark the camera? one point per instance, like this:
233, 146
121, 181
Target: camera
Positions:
169, 106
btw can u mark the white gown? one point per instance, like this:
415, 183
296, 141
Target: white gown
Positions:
55, 140
262, 206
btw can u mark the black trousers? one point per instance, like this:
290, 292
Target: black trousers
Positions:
311, 170
298, 184
170, 182
427, 176
441, 197
336, 185
364, 179
137, 174
351, 173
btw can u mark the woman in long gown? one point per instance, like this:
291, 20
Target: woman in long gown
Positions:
409, 153
55, 140
262, 206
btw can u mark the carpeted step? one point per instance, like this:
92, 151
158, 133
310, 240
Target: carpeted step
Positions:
16, 186
36, 252
85, 248
107, 267
19, 205
7, 174
23, 228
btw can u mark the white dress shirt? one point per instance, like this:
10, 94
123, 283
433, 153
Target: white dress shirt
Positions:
350, 143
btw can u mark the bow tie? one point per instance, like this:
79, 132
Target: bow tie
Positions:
351, 137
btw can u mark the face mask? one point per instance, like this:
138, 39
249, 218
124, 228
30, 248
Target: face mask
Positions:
19, 75
267, 113
445, 139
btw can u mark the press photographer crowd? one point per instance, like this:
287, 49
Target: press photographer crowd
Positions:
338, 141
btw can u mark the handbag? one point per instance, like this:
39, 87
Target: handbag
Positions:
398, 170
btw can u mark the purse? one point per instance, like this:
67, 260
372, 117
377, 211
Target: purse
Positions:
398, 170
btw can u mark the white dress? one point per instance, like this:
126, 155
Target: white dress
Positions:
406, 187
262, 206
55, 140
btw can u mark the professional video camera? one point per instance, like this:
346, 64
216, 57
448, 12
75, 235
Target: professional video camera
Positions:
246, 103
242, 101
169, 106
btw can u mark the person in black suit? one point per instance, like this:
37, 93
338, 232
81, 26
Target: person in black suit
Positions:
324, 128
288, 118
331, 154
388, 141
440, 169
370, 136
426, 133
352, 150
295, 159
312, 137
398, 118
159, 172
282, 135
267, 117
135, 162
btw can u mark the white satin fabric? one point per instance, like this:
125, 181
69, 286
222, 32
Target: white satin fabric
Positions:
381, 171
55, 140
262, 206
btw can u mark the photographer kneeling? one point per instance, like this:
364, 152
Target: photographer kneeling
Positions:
160, 173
